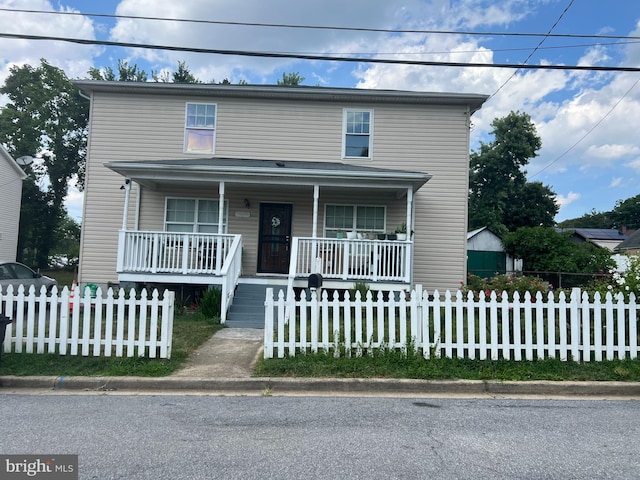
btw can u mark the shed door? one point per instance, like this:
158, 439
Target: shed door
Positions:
486, 264
274, 238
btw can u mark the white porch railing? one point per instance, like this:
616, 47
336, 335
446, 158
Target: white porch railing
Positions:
366, 260
172, 253
231, 270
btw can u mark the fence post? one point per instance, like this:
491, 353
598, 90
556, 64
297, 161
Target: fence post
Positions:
633, 327
416, 318
268, 324
575, 324
281, 313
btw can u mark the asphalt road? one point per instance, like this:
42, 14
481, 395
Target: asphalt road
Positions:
205, 437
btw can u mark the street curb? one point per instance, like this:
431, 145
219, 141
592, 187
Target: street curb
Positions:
309, 386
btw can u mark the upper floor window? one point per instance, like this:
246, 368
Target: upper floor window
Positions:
357, 128
193, 215
200, 128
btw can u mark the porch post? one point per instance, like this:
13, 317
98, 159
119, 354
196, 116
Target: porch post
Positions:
220, 227
221, 207
409, 210
409, 251
127, 194
314, 230
316, 196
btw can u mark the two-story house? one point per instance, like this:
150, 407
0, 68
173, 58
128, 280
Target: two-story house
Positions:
225, 184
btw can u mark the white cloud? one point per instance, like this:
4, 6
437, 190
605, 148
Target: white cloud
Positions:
564, 200
612, 151
75, 60
615, 182
634, 164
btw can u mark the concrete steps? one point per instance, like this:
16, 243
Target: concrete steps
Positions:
247, 309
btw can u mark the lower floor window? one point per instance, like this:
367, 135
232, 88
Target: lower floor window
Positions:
193, 215
352, 218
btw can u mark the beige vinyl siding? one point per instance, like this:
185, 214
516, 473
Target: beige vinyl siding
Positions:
427, 138
434, 140
10, 197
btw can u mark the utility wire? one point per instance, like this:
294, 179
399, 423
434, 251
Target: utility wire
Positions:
324, 27
513, 74
299, 56
589, 131
466, 52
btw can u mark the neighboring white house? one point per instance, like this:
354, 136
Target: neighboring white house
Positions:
188, 183
11, 177
486, 256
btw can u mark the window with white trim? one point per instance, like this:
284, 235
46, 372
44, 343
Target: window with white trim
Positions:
193, 215
357, 127
200, 128
354, 218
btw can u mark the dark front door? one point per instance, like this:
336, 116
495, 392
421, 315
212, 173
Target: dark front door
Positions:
274, 238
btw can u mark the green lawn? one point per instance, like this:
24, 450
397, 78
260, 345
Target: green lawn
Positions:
64, 277
393, 364
189, 332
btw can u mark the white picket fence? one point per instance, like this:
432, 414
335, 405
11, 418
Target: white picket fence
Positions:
119, 324
495, 327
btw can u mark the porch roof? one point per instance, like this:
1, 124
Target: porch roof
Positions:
240, 170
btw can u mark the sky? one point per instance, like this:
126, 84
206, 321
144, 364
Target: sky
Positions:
587, 120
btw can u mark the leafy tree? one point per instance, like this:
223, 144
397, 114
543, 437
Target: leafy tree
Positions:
593, 219
625, 213
126, 73
67, 240
543, 249
499, 195
181, 75
45, 112
531, 205
293, 78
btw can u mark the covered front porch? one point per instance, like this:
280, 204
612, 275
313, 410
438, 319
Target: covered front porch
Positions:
285, 236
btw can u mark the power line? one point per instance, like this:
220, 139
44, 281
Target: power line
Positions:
526, 60
466, 52
300, 56
589, 131
325, 27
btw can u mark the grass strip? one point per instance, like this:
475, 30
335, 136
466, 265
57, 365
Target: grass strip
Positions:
394, 364
189, 332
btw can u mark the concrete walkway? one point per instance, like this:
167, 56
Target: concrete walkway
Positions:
230, 353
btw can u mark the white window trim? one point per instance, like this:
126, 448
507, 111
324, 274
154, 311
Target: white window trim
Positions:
344, 133
185, 127
225, 225
355, 216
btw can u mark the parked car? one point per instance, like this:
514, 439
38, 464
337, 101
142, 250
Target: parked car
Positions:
16, 274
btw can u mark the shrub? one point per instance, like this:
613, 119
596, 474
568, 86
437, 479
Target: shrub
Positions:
505, 283
211, 303
626, 282
362, 287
